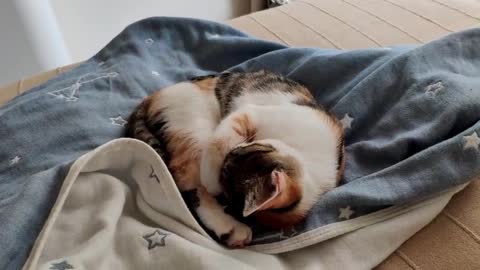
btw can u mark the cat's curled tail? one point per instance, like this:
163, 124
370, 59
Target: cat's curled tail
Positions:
138, 127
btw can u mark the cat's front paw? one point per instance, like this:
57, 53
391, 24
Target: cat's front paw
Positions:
239, 235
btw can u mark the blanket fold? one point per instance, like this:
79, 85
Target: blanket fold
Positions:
119, 208
411, 116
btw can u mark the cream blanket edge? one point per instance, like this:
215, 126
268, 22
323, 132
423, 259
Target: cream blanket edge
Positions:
119, 208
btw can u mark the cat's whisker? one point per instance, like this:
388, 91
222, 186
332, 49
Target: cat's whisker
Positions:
250, 138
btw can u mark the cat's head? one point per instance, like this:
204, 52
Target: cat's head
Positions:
268, 180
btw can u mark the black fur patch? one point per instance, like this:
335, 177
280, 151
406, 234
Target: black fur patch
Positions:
191, 198
193, 202
285, 209
340, 153
231, 85
309, 103
201, 78
157, 129
130, 130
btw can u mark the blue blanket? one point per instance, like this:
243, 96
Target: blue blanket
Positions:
411, 116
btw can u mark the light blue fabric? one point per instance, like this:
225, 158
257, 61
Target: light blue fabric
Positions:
410, 107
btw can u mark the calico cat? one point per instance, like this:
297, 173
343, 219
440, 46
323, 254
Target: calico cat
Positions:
258, 138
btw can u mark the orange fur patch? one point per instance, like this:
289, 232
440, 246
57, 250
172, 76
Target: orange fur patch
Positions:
333, 122
303, 94
206, 198
218, 146
277, 221
244, 127
185, 160
207, 84
292, 193
154, 103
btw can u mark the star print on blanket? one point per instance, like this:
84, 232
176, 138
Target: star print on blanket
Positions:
15, 160
118, 121
64, 265
472, 141
346, 121
155, 239
154, 175
68, 93
345, 213
411, 121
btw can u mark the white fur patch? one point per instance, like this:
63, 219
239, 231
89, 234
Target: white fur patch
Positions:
193, 111
264, 98
297, 131
301, 132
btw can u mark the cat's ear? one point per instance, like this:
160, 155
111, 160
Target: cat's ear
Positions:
261, 198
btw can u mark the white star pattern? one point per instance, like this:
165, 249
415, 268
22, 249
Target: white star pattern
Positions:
153, 175
347, 121
149, 41
433, 89
345, 213
155, 73
118, 121
68, 93
15, 160
471, 141
213, 36
282, 234
64, 265
287, 233
155, 239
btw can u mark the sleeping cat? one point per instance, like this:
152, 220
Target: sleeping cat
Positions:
259, 139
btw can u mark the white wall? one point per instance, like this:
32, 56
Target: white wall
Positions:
39, 35
29, 39
88, 25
